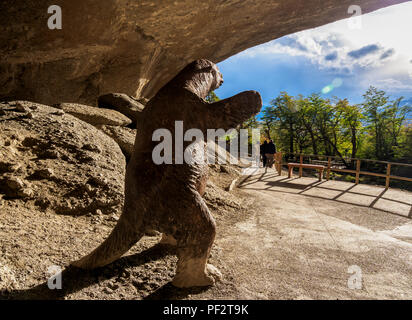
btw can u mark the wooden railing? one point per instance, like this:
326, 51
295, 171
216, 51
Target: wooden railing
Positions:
330, 167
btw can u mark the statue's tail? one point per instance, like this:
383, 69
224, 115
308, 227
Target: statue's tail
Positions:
120, 240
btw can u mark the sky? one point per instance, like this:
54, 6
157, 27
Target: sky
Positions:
339, 59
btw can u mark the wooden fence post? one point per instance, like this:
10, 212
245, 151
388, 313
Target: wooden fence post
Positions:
388, 175
357, 171
280, 163
328, 172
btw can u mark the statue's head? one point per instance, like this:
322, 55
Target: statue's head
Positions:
201, 77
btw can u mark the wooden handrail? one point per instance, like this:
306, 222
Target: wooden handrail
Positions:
353, 159
358, 171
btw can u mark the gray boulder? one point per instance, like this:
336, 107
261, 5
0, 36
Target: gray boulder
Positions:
123, 136
122, 103
95, 116
56, 162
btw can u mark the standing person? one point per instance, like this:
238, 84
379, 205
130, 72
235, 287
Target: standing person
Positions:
263, 148
272, 147
270, 153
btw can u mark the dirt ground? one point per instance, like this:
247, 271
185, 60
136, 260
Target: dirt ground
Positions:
269, 245
32, 241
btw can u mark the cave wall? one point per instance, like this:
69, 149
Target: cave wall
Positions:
137, 46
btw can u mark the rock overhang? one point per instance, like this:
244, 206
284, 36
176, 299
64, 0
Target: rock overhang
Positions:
136, 47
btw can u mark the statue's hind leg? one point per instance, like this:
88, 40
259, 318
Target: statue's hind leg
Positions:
195, 233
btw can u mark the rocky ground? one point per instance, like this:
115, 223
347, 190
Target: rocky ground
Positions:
34, 240
53, 162
61, 192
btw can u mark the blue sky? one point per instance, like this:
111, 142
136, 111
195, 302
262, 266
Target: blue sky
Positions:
335, 60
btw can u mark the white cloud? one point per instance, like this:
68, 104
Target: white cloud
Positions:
382, 42
392, 85
328, 51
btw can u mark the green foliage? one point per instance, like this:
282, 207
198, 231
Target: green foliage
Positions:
212, 97
404, 152
384, 119
374, 129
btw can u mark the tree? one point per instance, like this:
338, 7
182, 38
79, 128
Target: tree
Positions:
307, 116
405, 144
394, 115
328, 123
375, 100
284, 109
374, 129
352, 123
268, 118
212, 97
385, 120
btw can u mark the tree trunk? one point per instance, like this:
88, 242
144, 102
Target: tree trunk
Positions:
268, 131
354, 143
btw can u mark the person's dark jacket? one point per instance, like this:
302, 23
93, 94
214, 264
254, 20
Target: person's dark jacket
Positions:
263, 148
271, 148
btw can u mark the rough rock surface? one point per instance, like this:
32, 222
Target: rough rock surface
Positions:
53, 161
33, 240
136, 47
122, 103
93, 115
123, 136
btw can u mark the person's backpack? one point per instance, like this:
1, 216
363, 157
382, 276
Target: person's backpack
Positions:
271, 148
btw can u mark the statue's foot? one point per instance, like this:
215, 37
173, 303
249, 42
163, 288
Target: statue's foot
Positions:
168, 239
192, 275
214, 272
